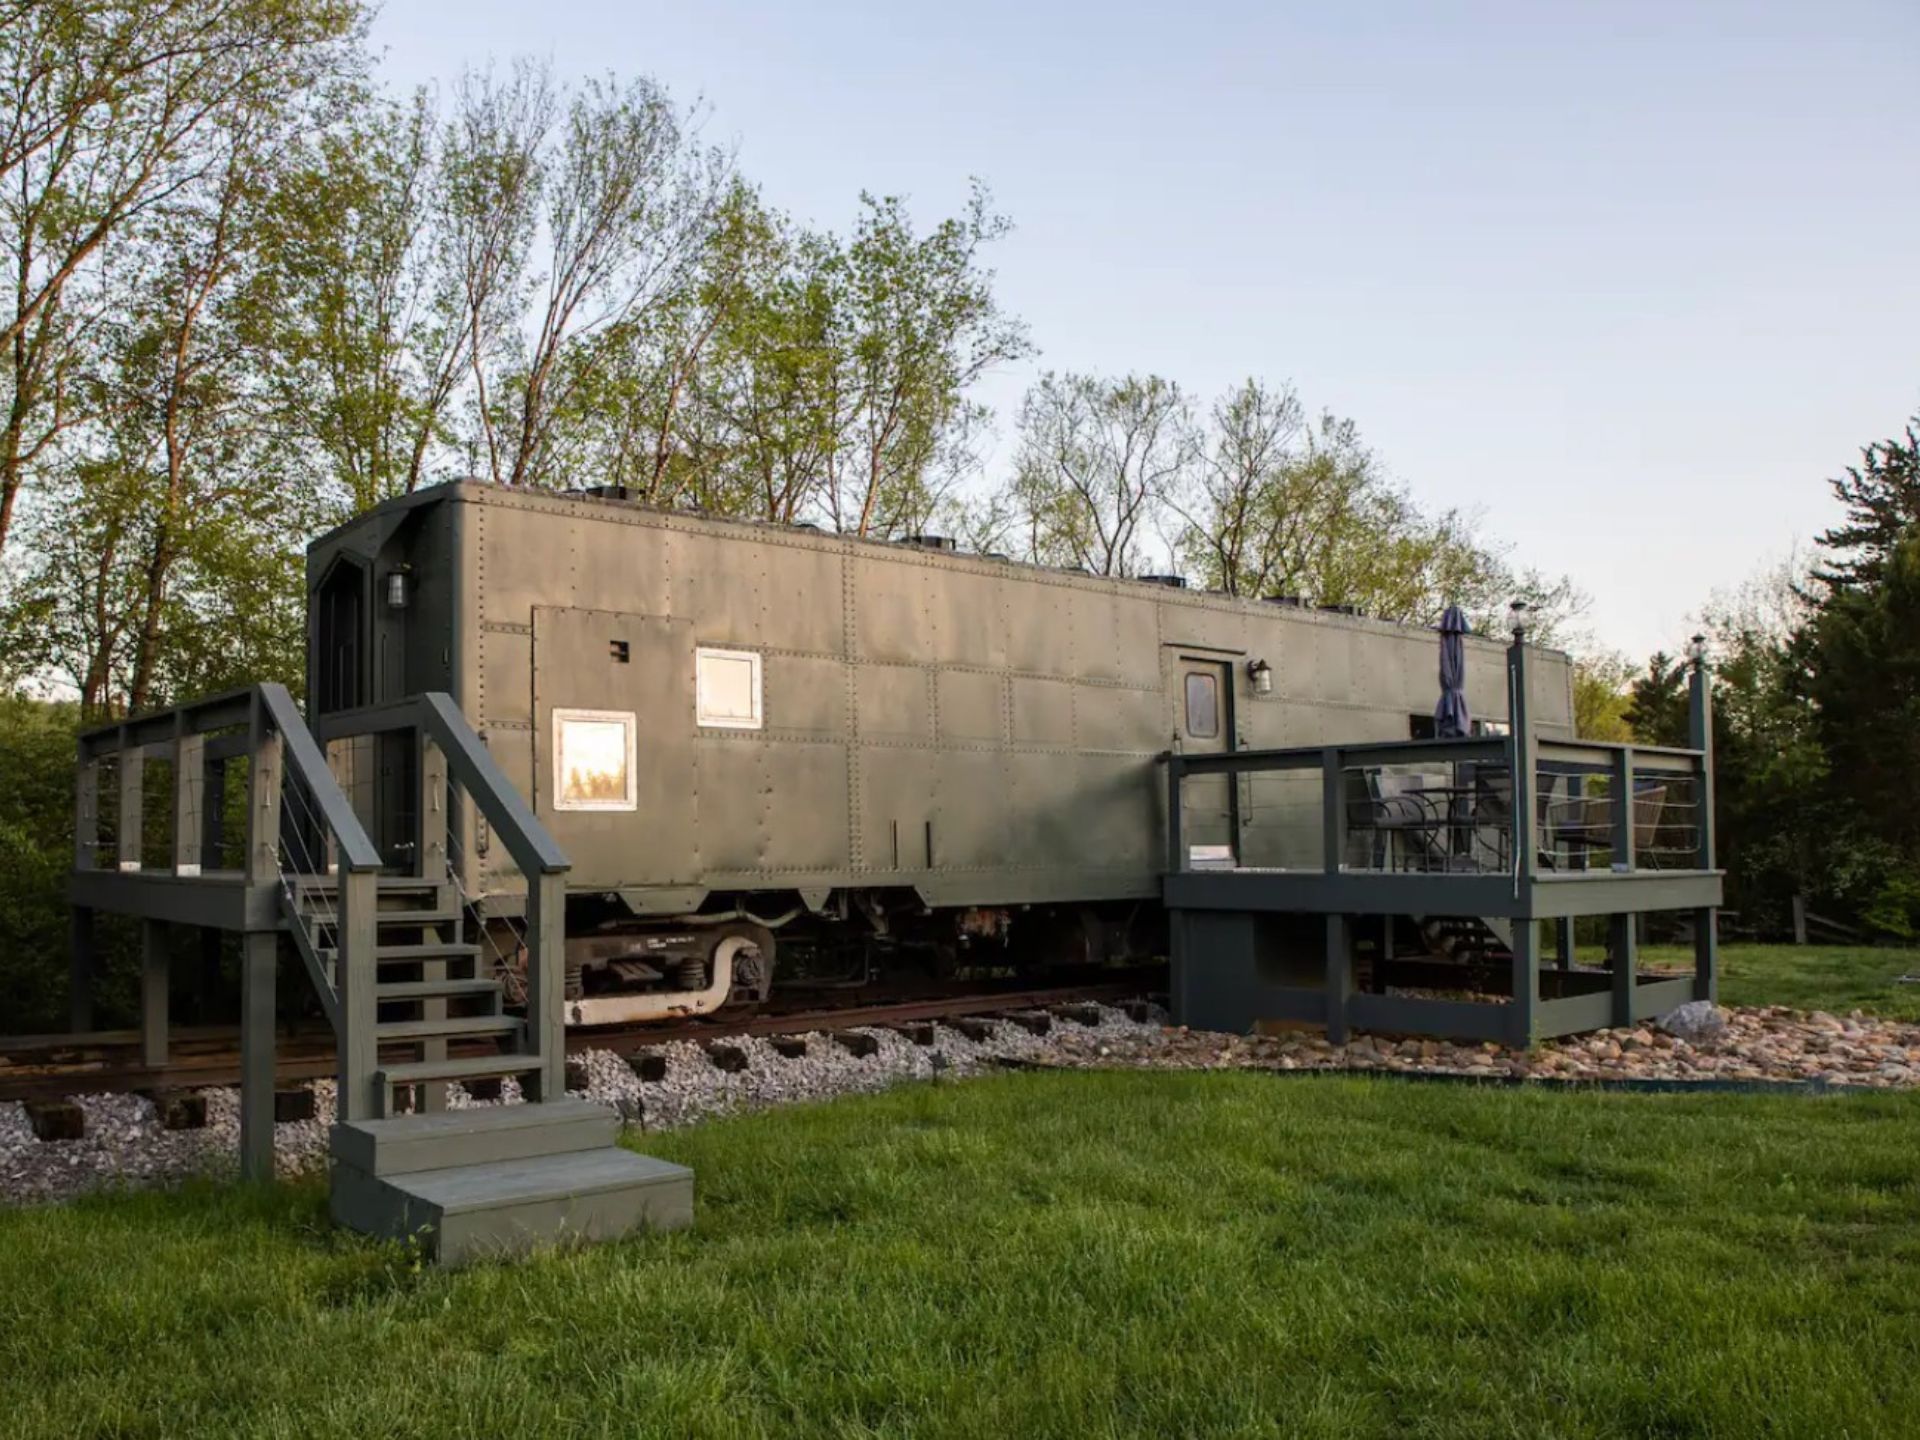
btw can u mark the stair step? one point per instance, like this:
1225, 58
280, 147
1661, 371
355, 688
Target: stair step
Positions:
403, 954
386, 884
434, 989
474, 1136
450, 1027
474, 1067
471, 1212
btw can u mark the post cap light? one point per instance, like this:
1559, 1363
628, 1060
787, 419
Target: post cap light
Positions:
1261, 674
397, 588
1698, 651
1517, 619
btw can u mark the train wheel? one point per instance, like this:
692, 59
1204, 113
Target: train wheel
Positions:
750, 948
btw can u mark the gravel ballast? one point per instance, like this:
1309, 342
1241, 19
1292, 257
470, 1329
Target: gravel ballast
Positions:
126, 1145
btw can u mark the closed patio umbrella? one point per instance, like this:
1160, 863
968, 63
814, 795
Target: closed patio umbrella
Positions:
1451, 719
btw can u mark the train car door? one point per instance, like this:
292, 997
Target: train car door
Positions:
1204, 725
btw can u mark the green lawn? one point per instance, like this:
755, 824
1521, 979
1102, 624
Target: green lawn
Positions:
1813, 977
1056, 1254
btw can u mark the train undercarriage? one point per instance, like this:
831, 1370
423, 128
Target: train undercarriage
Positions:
732, 955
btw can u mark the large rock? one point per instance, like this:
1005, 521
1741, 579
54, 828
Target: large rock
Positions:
1695, 1021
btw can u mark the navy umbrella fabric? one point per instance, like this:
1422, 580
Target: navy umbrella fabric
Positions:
1451, 719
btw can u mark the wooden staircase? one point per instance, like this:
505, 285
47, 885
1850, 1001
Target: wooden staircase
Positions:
414, 1006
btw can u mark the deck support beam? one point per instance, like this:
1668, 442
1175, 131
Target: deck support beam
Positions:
1339, 976
259, 962
1625, 947
153, 993
1523, 1018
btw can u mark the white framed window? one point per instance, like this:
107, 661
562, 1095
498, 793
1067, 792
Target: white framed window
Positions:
727, 689
593, 760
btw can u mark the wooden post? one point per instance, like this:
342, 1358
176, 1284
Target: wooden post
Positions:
259, 959
547, 982
133, 775
431, 862
81, 937
1339, 975
189, 796
1526, 983
1626, 964
1523, 762
1563, 943
259, 952
362, 1097
1799, 919
1333, 812
1623, 833
153, 993
1706, 920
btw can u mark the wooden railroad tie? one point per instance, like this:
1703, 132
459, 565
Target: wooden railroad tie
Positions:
649, 1065
730, 1058
1034, 1022
576, 1077
56, 1120
297, 1104
1139, 1011
1078, 1014
483, 1087
179, 1109
857, 1042
973, 1027
920, 1032
791, 1046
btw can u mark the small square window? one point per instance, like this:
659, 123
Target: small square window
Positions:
727, 689
593, 760
620, 651
1203, 705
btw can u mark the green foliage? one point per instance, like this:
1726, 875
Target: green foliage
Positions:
1057, 1255
36, 852
1881, 496
1601, 698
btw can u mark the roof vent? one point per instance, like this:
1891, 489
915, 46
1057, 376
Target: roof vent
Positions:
930, 542
1342, 609
1293, 602
1172, 582
607, 492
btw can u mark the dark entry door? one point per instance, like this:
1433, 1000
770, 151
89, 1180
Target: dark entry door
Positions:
1203, 706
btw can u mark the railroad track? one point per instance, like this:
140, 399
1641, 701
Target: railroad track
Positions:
53, 1067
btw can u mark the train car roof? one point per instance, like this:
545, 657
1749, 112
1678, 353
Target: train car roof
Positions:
585, 501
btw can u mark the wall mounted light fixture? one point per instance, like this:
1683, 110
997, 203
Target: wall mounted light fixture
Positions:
1261, 674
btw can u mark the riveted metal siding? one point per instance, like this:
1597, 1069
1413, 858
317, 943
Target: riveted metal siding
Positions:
981, 730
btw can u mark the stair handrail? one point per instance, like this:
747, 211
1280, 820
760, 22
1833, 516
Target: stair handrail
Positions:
438, 719
353, 846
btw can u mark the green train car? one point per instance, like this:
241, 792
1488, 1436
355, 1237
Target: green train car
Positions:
774, 752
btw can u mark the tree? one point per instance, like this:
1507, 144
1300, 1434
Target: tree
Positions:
1096, 460
103, 104
1601, 698
1881, 496
367, 336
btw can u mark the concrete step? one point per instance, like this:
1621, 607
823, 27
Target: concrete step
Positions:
434, 989
507, 1208
480, 1135
451, 1026
474, 1068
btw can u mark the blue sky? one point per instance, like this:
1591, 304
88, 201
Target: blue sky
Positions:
1630, 279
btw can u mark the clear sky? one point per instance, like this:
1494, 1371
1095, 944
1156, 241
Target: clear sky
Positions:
1630, 279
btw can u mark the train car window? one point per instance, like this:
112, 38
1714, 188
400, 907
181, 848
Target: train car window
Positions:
727, 689
1203, 706
593, 760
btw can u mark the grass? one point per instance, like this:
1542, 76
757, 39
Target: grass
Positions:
1078, 1254
1035, 1255
1834, 978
